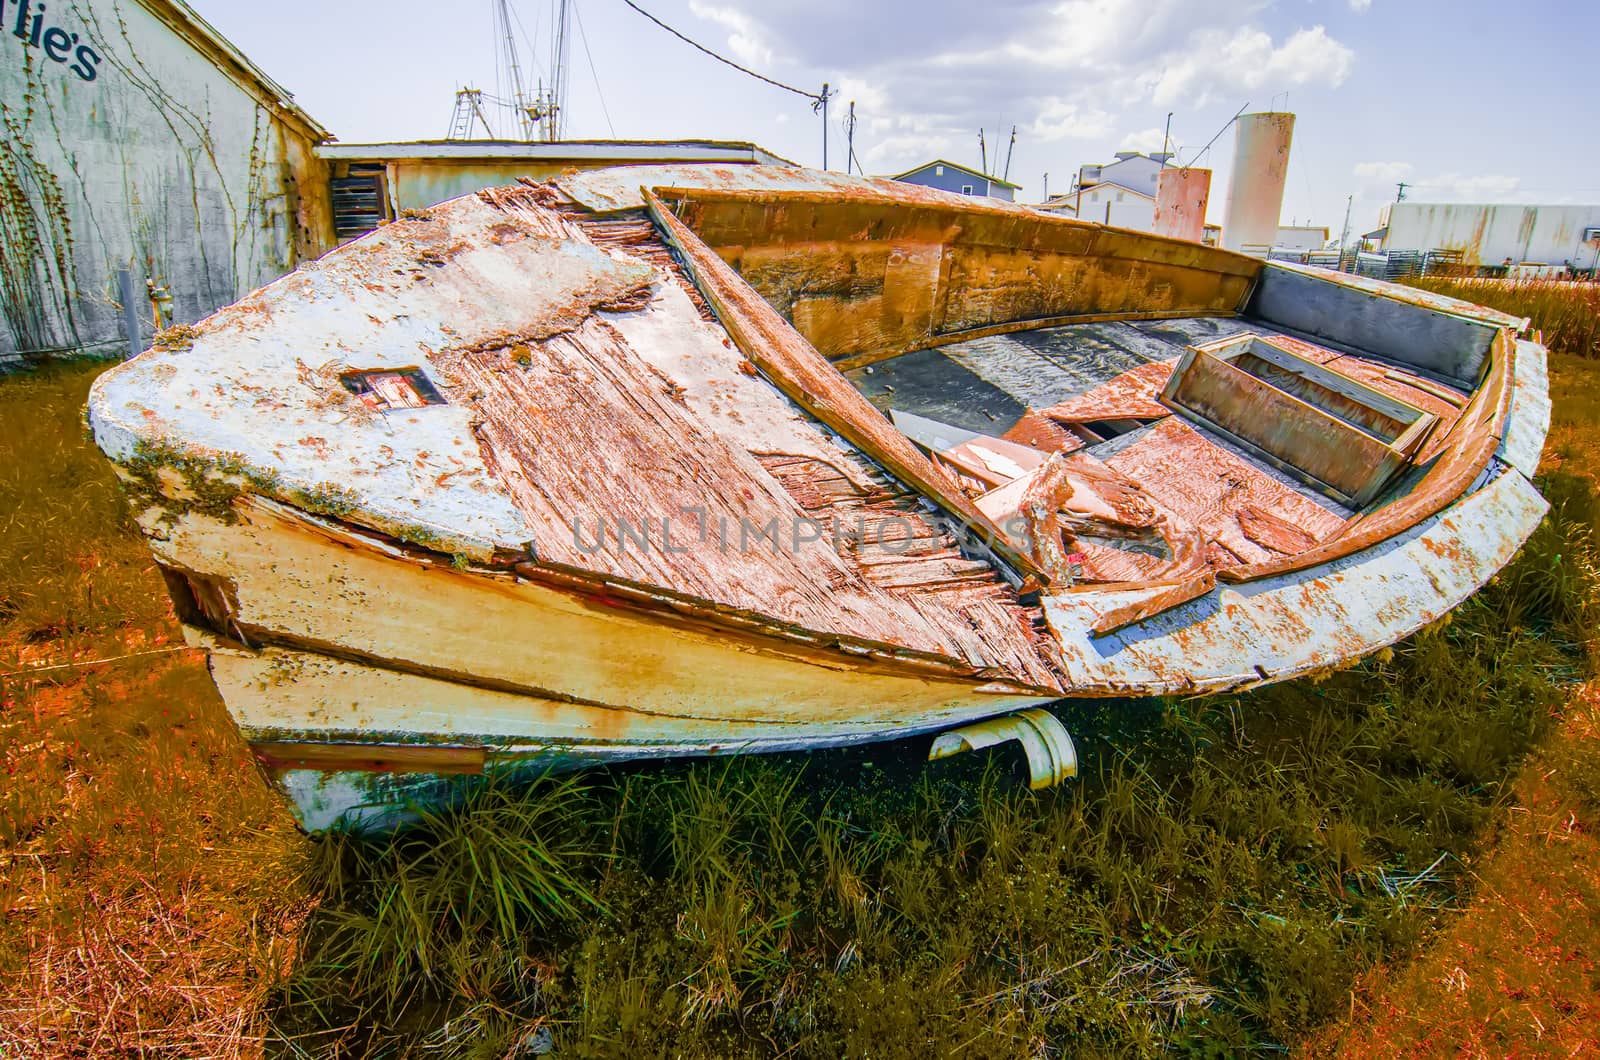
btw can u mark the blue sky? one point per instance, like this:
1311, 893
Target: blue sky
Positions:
1467, 101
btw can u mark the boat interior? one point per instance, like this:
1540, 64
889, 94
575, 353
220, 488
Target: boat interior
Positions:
1186, 412
993, 409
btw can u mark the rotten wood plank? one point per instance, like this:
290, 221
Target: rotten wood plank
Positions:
806, 377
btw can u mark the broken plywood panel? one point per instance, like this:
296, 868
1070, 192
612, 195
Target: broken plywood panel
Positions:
1130, 396
1040, 432
1206, 486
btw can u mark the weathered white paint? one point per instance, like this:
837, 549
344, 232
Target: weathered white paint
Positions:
1278, 628
1255, 190
1493, 233
362, 642
175, 158
293, 582
261, 381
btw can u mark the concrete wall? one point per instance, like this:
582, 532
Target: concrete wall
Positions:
134, 139
954, 179
1488, 234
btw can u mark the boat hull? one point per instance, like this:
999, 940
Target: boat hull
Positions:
421, 739
425, 674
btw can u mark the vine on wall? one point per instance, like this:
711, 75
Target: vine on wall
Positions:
37, 274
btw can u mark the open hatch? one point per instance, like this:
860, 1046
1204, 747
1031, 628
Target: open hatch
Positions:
1322, 427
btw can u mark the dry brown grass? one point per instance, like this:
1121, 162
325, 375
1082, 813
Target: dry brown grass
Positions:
147, 895
1518, 973
1566, 313
1215, 884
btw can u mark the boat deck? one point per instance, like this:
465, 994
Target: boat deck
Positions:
1090, 390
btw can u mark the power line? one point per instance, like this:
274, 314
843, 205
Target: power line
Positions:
584, 37
819, 100
1214, 139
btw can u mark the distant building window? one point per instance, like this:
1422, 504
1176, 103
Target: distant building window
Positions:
966, 189
1119, 196
938, 171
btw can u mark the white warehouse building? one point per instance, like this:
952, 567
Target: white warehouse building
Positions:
1493, 234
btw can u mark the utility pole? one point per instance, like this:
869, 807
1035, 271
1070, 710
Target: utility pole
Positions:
1010, 148
1402, 196
1046, 187
850, 138
824, 103
1166, 141
983, 153
1344, 236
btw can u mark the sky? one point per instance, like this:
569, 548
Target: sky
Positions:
1464, 100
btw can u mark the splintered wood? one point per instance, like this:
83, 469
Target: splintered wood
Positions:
647, 471
1208, 487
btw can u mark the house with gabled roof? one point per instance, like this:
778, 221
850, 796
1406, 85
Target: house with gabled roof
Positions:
963, 180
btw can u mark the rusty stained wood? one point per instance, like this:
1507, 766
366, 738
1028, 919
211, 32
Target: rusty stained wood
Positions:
1078, 505
1131, 395
588, 436
806, 377
1343, 461
865, 277
1464, 455
1208, 487
643, 420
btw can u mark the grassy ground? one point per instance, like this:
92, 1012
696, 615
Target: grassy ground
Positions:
1518, 971
1233, 873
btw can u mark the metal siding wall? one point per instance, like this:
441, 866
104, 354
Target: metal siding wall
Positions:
1488, 234
952, 181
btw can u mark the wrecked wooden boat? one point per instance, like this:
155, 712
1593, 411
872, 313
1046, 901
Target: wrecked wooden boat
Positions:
663, 461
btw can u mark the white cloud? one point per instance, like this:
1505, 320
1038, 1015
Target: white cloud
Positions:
1379, 180
1059, 119
1145, 140
745, 39
869, 97
1383, 172
1360, 6
1062, 71
1217, 62
1457, 187
889, 152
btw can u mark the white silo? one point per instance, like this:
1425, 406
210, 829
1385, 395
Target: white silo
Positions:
1255, 192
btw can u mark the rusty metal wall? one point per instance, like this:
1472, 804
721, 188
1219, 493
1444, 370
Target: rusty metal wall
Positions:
1489, 234
1255, 192
134, 138
1182, 196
